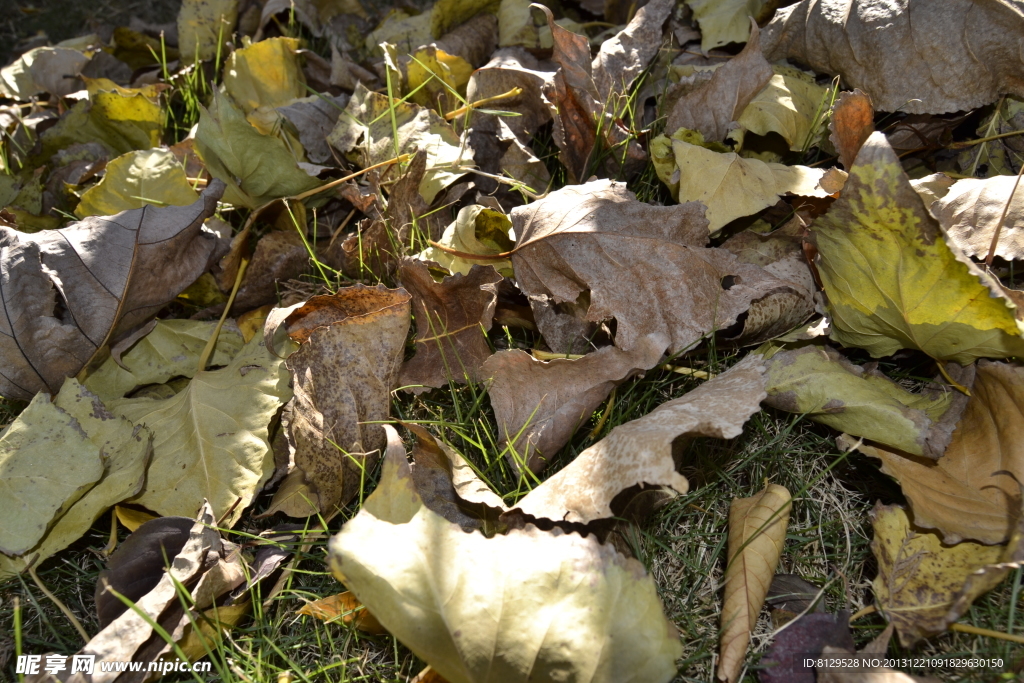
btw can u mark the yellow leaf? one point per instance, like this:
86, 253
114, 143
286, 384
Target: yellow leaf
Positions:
448, 14
476, 230
344, 607
265, 74
724, 21
131, 518
204, 26
892, 280
792, 105
133, 180
757, 532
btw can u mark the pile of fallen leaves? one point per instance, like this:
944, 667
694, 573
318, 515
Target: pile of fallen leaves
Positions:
197, 314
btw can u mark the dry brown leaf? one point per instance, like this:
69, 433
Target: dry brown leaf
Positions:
757, 532
67, 293
640, 451
924, 585
625, 55
643, 265
346, 366
713, 107
280, 255
512, 67
972, 491
539, 404
852, 123
452, 320
346, 608
973, 208
915, 56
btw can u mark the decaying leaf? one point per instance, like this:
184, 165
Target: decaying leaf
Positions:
923, 585
507, 69
729, 185
972, 208
912, 56
211, 439
538, 405
203, 27
757, 532
972, 492
256, 168
346, 608
852, 123
892, 281
713, 107
598, 239
133, 180
724, 21
640, 451
525, 605
347, 364
69, 292
452, 320
819, 382
280, 255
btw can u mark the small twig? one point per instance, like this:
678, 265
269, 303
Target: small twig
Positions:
473, 257
340, 228
1002, 219
870, 609
974, 630
604, 416
456, 113
990, 138
211, 344
952, 382
682, 370
60, 605
334, 183
227, 513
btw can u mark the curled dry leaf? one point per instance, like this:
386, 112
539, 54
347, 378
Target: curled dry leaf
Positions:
347, 364
69, 292
538, 405
923, 585
892, 281
598, 239
972, 209
972, 492
525, 605
713, 107
346, 608
911, 56
476, 230
852, 123
507, 69
757, 532
819, 382
640, 451
729, 185
452, 320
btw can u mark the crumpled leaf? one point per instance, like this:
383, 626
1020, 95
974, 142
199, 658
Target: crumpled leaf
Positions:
972, 208
724, 21
511, 68
972, 491
452, 320
729, 185
476, 230
792, 104
256, 168
133, 180
757, 533
640, 451
108, 274
347, 364
892, 281
538, 405
713, 107
525, 605
203, 27
819, 382
265, 74
851, 124
912, 56
346, 608
923, 586
365, 133
211, 439
598, 238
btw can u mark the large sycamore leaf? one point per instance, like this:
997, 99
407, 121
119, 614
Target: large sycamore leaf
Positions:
265, 74
256, 168
522, 606
914, 56
822, 384
728, 184
757, 533
972, 492
133, 180
66, 293
123, 448
644, 266
640, 451
924, 585
893, 282
972, 209
344, 370
211, 439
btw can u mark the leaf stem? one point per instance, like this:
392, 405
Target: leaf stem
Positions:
990, 138
473, 257
456, 113
974, 630
212, 343
952, 382
334, 183
60, 605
